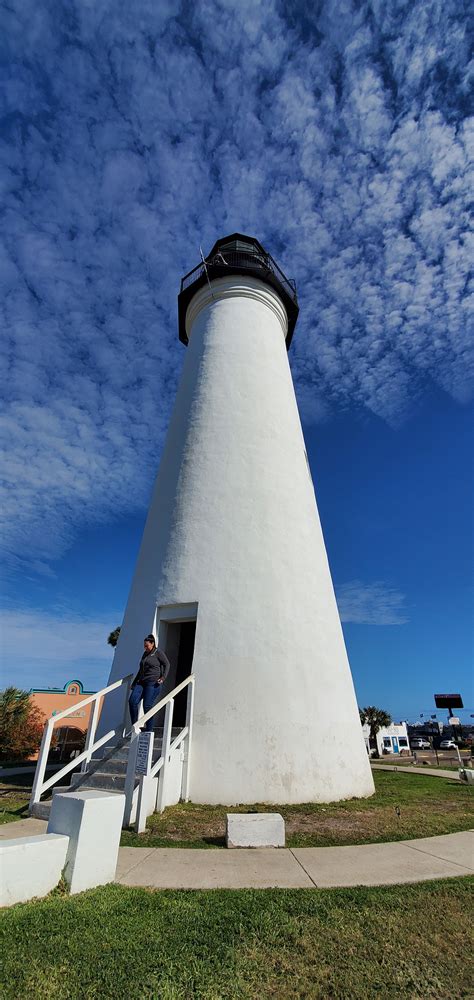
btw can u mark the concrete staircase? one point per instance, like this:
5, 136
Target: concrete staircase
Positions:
106, 771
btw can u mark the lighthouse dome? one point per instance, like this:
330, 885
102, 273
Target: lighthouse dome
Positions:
238, 254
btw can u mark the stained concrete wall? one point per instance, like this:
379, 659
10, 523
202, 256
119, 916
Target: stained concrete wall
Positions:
92, 822
30, 866
233, 525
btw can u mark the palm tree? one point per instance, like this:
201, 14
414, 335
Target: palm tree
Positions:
114, 636
376, 719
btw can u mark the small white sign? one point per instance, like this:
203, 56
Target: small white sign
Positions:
454, 721
144, 753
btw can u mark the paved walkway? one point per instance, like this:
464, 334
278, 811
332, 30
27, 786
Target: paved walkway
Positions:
283, 868
436, 772
30, 827
298, 868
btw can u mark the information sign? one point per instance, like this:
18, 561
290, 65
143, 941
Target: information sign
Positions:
448, 701
144, 753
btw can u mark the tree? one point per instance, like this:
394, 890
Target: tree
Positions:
21, 724
376, 719
114, 636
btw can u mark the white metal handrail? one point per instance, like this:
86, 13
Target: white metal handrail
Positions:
39, 784
161, 704
168, 748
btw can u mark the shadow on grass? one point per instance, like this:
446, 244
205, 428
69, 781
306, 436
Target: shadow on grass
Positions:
214, 841
12, 781
9, 815
131, 839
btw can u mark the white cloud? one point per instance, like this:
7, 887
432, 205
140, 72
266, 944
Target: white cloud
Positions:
44, 649
341, 140
371, 604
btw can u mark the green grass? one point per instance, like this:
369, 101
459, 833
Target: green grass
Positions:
396, 942
12, 810
15, 792
404, 806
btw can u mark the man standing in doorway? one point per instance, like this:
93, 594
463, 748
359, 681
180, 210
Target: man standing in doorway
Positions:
152, 672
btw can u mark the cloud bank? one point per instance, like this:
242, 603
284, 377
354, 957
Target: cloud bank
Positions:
337, 133
59, 646
371, 604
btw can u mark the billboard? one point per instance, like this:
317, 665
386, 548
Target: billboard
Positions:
448, 701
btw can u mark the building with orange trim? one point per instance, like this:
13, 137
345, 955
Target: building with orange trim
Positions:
70, 731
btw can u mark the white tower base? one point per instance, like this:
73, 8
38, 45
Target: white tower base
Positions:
233, 539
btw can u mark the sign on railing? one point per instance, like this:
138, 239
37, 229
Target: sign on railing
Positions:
144, 753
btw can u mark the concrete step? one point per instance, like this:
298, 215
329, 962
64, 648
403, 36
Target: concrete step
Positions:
121, 756
106, 771
41, 810
113, 766
119, 752
118, 763
105, 780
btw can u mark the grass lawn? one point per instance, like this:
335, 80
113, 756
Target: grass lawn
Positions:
404, 806
407, 942
13, 809
15, 792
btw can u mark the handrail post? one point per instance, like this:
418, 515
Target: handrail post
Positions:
187, 756
165, 753
42, 761
130, 778
140, 818
91, 731
125, 706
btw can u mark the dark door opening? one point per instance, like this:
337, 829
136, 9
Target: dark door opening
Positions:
179, 648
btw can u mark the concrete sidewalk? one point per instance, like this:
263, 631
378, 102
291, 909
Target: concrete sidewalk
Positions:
29, 827
435, 772
285, 868
297, 868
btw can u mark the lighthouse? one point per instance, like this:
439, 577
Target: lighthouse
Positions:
232, 574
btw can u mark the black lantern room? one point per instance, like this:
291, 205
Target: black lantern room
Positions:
238, 254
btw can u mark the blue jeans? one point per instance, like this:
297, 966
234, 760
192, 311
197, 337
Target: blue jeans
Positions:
149, 693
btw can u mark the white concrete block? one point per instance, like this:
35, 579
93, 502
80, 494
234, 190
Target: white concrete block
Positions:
93, 822
255, 830
466, 774
30, 866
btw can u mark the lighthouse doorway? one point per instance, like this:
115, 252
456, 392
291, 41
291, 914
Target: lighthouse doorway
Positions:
177, 639
180, 651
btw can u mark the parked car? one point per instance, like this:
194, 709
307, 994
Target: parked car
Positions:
448, 745
418, 743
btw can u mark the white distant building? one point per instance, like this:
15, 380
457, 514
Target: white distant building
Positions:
232, 573
390, 739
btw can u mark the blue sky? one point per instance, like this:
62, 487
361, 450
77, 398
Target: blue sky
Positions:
339, 135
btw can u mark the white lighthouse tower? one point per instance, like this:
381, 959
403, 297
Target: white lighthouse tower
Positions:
232, 572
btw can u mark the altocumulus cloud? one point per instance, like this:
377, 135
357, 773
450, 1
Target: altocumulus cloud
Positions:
338, 133
371, 604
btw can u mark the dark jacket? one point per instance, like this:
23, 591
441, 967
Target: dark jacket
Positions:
153, 668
